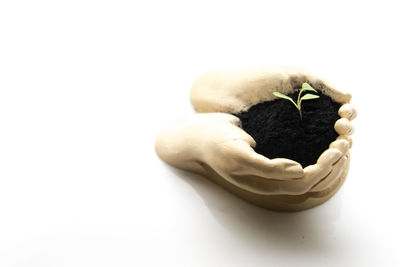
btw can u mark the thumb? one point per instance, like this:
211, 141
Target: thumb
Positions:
279, 168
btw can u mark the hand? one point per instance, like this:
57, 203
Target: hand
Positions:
236, 90
214, 144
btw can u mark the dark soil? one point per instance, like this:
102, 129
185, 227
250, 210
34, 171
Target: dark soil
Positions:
280, 133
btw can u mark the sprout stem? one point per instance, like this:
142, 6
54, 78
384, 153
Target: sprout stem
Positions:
305, 87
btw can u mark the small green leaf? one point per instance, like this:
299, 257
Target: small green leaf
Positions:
308, 87
309, 96
285, 97
280, 95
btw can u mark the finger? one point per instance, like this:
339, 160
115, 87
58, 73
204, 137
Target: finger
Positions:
347, 138
341, 144
258, 165
332, 177
328, 158
314, 173
280, 169
348, 111
344, 127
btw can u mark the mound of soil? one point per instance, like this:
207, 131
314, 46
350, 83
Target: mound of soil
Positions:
280, 133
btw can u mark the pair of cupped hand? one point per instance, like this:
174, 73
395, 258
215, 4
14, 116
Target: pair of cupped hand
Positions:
213, 140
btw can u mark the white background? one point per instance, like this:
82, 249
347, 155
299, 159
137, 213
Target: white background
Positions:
85, 86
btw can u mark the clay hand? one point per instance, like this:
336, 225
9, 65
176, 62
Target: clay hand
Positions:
214, 144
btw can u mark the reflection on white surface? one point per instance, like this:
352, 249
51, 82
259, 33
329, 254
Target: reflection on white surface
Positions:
306, 230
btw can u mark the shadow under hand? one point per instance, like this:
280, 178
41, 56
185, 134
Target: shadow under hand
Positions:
304, 230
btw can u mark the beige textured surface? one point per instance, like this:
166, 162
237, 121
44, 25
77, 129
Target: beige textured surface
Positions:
234, 90
214, 145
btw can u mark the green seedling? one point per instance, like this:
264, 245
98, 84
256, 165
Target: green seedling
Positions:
304, 87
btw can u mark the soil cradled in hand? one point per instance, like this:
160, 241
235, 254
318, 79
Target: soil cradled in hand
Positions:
279, 131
